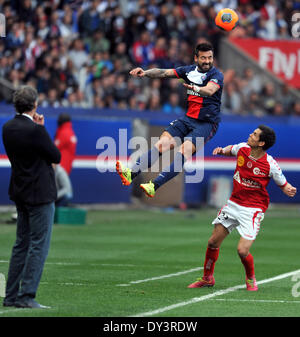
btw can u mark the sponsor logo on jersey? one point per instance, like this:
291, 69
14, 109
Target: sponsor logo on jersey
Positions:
246, 182
257, 172
250, 183
194, 93
241, 161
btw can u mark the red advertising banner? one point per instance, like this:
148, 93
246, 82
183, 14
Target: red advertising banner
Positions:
282, 57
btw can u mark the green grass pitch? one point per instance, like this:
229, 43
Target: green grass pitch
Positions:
135, 262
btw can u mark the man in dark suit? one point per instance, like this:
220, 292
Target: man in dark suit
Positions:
31, 153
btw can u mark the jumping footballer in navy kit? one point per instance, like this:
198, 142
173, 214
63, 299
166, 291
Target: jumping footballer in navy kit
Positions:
204, 85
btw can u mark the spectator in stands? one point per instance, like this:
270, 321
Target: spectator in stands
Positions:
296, 109
78, 55
172, 106
89, 21
43, 28
278, 109
25, 11
154, 103
250, 82
115, 37
232, 99
66, 27
253, 107
53, 100
14, 38
120, 55
54, 30
268, 100
286, 98
160, 50
268, 15
97, 42
143, 50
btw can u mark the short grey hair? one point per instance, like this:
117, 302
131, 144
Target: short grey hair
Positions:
24, 99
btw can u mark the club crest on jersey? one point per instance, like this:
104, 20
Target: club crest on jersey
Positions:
249, 164
241, 161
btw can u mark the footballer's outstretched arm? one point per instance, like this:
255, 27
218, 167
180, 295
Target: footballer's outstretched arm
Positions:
153, 73
207, 90
223, 151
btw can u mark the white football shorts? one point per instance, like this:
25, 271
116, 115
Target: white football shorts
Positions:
245, 219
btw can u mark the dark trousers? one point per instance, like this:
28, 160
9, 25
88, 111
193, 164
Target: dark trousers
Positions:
34, 228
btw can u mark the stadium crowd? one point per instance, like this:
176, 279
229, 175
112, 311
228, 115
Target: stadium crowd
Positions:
79, 53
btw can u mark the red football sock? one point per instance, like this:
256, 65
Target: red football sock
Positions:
248, 263
211, 257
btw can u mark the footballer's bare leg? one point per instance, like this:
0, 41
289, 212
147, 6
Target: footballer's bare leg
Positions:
246, 257
217, 237
212, 253
166, 142
187, 149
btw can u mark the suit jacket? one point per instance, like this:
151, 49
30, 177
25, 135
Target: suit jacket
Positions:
31, 152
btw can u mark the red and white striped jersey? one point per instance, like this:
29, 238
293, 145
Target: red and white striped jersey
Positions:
252, 176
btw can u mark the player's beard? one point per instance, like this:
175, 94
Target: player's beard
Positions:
205, 67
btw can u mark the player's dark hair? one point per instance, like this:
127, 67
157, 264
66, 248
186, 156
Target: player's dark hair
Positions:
267, 135
24, 99
206, 46
63, 118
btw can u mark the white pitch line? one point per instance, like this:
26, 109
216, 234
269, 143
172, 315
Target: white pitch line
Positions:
111, 265
160, 277
21, 310
64, 263
249, 300
209, 296
71, 284
78, 264
12, 310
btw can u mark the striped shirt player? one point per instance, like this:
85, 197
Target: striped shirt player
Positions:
204, 85
248, 202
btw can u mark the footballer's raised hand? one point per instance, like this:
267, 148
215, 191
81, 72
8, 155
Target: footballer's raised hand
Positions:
218, 151
192, 87
223, 151
289, 190
137, 72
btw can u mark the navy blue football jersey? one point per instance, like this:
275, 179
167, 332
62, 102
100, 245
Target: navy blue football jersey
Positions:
206, 108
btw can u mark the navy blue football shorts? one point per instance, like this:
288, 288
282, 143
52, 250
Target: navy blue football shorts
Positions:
191, 128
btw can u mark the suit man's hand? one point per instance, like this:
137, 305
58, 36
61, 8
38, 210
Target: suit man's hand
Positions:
39, 119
